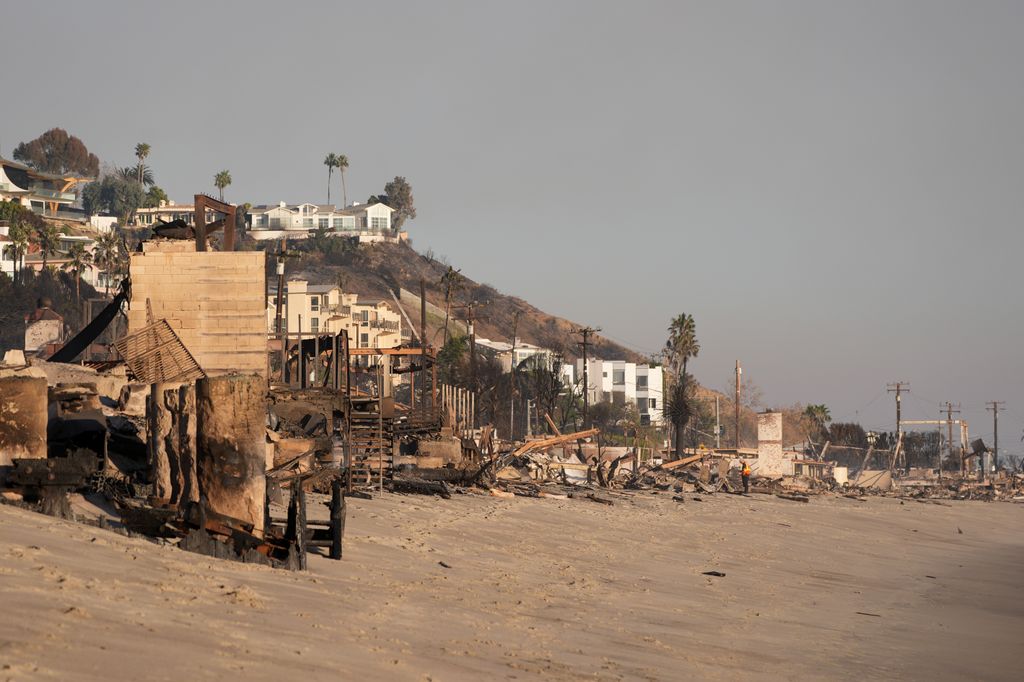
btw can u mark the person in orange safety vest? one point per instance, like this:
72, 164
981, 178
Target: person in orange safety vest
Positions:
746, 476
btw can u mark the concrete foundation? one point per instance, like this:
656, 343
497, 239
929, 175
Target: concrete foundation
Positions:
230, 446
23, 416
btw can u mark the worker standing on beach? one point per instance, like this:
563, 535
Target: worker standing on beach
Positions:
745, 472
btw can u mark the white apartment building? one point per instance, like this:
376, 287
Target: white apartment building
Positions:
325, 309
368, 222
625, 382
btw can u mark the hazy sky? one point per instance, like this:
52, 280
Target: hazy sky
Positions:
833, 190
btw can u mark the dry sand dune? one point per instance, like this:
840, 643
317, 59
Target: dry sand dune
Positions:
537, 588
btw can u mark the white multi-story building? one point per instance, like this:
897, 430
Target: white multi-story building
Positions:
367, 222
325, 309
618, 381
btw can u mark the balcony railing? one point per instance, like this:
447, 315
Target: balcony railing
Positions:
386, 325
53, 195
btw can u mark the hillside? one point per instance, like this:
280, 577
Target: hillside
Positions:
379, 269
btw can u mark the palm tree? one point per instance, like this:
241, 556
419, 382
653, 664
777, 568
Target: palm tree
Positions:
342, 164
820, 416
20, 237
222, 180
141, 152
141, 174
78, 260
331, 161
48, 238
681, 345
107, 257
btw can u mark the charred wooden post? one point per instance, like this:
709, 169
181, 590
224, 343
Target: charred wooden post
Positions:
158, 430
230, 448
295, 532
186, 422
337, 518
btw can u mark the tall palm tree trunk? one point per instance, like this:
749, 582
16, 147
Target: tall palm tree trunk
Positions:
329, 169
344, 191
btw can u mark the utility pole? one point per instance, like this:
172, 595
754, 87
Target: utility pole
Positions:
512, 376
898, 388
470, 318
423, 345
586, 333
994, 406
949, 431
739, 373
281, 255
718, 427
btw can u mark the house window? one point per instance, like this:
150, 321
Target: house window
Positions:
641, 381
314, 303
654, 403
325, 223
645, 420
307, 222
364, 340
378, 223
337, 223
314, 324
619, 377
365, 316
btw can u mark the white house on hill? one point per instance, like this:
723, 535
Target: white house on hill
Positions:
367, 222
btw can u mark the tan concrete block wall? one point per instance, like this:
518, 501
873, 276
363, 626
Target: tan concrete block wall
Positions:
214, 301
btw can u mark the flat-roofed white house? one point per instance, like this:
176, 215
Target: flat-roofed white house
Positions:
366, 222
619, 381
167, 212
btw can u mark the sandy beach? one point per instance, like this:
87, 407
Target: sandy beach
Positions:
482, 588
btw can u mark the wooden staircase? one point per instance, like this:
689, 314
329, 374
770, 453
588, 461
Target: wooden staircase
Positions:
372, 448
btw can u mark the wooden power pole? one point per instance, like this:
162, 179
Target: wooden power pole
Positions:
898, 388
512, 378
949, 432
994, 405
739, 373
585, 333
